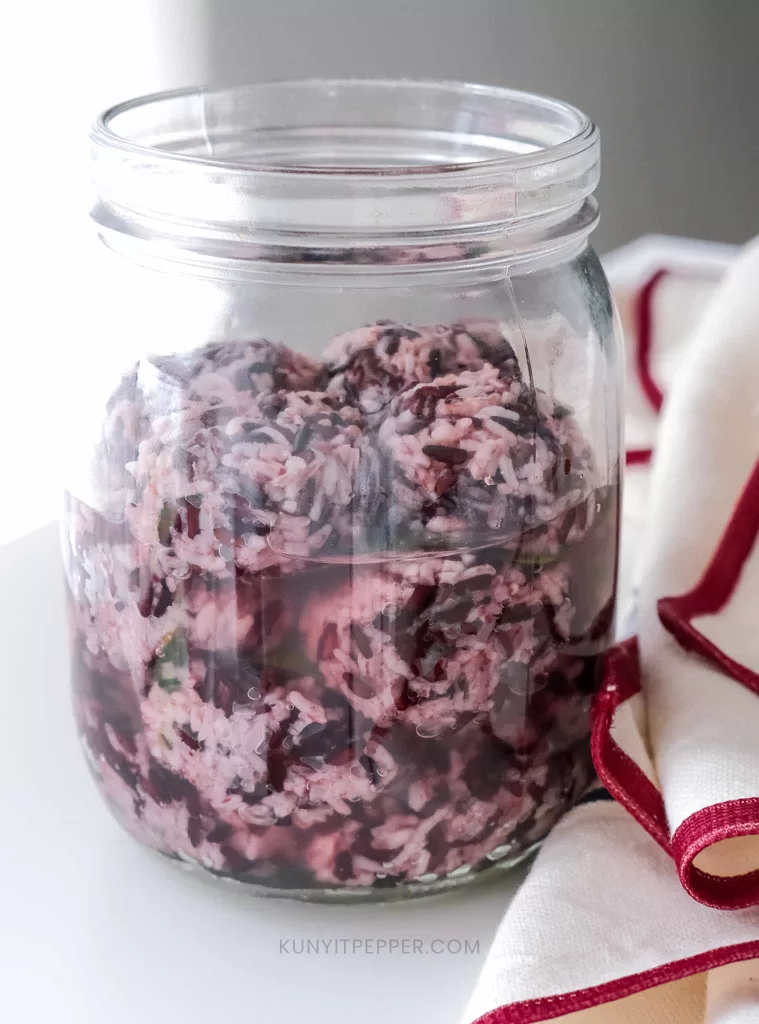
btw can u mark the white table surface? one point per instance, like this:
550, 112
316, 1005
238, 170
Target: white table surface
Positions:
96, 930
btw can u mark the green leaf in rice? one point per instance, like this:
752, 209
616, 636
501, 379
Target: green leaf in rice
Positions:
174, 651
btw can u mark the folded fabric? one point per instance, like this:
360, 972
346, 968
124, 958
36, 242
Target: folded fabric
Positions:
645, 909
602, 931
662, 286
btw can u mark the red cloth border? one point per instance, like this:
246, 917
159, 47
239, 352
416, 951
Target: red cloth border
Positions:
644, 348
643, 351
733, 818
644, 312
728, 820
531, 1011
632, 788
713, 590
624, 779
622, 776
638, 456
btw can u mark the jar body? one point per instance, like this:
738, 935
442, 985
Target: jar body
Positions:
392, 686
341, 556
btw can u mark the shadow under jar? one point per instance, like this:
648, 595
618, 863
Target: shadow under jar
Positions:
341, 540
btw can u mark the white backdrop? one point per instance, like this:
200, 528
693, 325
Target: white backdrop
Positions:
673, 86
60, 63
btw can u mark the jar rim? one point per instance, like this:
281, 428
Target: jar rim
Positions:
341, 163
581, 132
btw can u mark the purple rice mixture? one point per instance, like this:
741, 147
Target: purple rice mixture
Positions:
327, 624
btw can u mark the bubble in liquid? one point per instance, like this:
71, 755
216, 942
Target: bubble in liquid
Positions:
254, 693
428, 730
317, 763
254, 815
173, 565
539, 682
518, 677
226, 552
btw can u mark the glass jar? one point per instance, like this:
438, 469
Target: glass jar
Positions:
341, 539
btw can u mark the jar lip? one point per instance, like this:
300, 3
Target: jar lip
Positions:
392, 170
583, 137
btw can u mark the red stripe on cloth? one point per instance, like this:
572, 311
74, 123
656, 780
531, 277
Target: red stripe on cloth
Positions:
733, 818
728, 820
624, 779
532, 1011
645, 345
638, 456
714, 589
644, 349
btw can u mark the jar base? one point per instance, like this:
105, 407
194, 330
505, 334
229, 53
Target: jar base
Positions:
432, 886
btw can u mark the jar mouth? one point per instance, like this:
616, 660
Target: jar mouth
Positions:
307, 126
340, 159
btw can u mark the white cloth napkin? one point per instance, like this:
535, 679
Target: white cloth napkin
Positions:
645, 909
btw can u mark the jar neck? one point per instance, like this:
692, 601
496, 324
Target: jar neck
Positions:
347, 173
516, 243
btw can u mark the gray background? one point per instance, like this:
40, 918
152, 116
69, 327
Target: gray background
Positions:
673, 84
